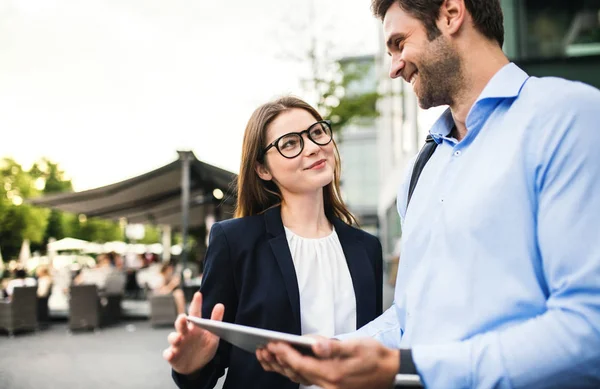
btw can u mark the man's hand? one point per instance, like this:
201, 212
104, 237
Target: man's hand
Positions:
192, 347
361, 363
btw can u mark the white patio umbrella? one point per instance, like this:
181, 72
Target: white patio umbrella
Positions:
155, 248
94, 248
117, 247
68, 244
25, 253
137, 248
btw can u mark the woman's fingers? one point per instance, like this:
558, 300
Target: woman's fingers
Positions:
168, 354
174, 338
196, 305
181, 324
218, 312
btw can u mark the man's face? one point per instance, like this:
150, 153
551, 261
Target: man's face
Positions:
433, 68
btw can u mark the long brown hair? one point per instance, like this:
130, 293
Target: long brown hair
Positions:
254, 196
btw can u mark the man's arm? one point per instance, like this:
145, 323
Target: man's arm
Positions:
561, 347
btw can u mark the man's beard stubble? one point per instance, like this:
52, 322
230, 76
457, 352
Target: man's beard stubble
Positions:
440, 74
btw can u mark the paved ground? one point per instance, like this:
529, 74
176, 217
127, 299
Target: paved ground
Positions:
124, 356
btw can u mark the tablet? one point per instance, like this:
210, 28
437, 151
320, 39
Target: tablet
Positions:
251, 338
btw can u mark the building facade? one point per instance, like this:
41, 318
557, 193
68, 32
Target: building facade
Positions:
357, 143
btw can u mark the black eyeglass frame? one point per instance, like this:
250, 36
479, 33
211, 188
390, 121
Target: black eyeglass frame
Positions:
307, 132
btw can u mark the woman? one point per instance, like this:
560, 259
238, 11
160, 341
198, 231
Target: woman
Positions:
44, 281
289, 262
169, 284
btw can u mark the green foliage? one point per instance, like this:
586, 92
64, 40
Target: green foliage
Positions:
94, 229
151, 235
352, 108
48, 174
52, 176
19, 220
345, 95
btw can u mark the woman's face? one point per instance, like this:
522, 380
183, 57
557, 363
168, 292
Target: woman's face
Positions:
311, 170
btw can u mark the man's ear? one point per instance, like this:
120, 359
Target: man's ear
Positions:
452, 16
262, 172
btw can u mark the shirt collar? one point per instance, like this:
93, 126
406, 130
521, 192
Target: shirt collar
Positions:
442, 127
506, 83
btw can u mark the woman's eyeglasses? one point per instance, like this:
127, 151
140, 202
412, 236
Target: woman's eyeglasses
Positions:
291, 145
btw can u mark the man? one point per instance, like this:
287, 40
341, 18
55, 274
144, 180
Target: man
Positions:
499, 283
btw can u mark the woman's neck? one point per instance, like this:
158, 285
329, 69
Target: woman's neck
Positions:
305, 215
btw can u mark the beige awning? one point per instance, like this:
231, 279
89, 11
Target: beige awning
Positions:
153, 197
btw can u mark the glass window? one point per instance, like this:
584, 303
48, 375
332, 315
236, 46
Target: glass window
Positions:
360, 178
559, 28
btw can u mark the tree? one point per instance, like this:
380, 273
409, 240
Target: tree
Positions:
18, 220
343, 105
53, 180
329, 81
94, 229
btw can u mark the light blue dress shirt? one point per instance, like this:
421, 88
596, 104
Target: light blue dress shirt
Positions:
499, 278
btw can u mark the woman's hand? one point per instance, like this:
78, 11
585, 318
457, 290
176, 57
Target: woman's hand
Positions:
192, 347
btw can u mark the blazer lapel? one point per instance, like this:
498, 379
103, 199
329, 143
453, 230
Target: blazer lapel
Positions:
361, 271
281, 250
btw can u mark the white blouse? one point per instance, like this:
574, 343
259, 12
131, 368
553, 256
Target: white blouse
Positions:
327, 300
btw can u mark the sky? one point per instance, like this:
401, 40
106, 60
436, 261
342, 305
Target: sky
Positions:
111, 89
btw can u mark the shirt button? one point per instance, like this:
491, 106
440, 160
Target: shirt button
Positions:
457, 153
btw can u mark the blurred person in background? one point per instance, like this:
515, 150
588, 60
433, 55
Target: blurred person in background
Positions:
116, 260
4, 279
44, 280
20, 279
96, 275
169, 283
105, 274
290, 261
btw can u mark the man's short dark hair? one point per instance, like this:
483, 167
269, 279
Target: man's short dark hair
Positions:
486, 14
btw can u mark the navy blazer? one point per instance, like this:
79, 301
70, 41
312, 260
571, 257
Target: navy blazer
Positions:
249, 269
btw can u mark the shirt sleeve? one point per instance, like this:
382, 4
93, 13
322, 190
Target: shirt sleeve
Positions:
385, 329
561, 347
10, 287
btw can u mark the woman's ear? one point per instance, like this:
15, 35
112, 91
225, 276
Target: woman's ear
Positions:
262, 172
